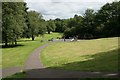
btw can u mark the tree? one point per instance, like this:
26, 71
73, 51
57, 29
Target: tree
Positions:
78, 25
73, 26
70, 32
0, 23
107, 20
50, 26
42, 27
104, 23
35, 24
13, 21
88, 22
59, 23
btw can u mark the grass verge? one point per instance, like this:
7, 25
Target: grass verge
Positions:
16, 55
85, 55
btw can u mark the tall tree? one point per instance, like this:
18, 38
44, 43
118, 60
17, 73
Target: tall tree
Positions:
42, 27
107, 20
104, 23
88, 23
34, 20
0, 22
13, 21
59, 25
74, 26
50, 26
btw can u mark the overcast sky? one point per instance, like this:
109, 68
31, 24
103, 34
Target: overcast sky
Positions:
52, 9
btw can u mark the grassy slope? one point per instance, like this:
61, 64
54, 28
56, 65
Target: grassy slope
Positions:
16, 56
86, 55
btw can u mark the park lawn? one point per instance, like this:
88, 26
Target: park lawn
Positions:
46, 36
85, 55
52, 35
15, 56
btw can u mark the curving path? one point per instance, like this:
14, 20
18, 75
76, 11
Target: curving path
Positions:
35, 69
33, 61
9, 71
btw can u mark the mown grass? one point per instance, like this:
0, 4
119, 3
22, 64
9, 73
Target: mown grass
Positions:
85, 55
49, 36
16, 55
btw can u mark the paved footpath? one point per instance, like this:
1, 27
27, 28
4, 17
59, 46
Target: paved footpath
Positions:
35, 69
33, 61
9, 71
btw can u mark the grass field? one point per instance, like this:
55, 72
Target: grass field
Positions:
15, 56
85, 55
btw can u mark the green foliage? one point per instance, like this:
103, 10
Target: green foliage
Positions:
0, 22
18, 22
35, 24
104, 23
60, 25
88, 22
107, 20
13, 21
50, 26
74, 26
42, 27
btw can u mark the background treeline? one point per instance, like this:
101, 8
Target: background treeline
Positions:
18, 22
103, 23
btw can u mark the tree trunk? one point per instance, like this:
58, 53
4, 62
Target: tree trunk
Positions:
48, 32
12, 42
15, 41
33, 38
6, 41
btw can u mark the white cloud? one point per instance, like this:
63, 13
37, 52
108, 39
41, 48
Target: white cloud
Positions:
52, 9
70, 0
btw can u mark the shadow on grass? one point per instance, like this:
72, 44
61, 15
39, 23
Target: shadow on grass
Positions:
104, 61
101, 66
62, 74
25, 40
11, 46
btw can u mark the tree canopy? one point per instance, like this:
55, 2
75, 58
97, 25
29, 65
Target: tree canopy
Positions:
103, 23
35, 24
13, 21
17, 22
50, 26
